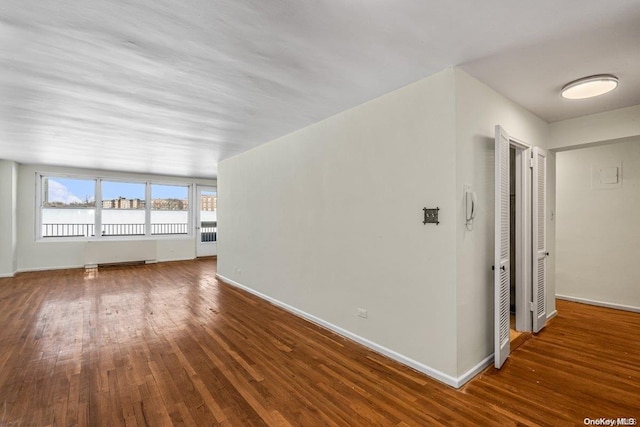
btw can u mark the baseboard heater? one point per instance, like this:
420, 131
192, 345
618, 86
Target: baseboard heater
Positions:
124, 252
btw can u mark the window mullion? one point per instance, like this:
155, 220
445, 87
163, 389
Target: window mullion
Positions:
98, 217
147, 209
40, 203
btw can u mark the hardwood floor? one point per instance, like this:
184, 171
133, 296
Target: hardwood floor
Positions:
166, 344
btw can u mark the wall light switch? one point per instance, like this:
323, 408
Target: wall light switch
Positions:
362, 313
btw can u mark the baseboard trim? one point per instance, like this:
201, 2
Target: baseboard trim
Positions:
83, 266
7, 275
467, 376
157, 261
551, 315
420, 367
599, 303
65, 267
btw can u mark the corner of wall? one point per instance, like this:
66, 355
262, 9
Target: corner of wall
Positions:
367, 172
478, 109
8, 217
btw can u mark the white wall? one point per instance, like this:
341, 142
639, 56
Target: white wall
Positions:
329, 219
44, 255
478, 109
596, 128
8, 230
598, 229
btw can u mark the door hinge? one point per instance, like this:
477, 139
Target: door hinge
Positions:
531, 307
531, 163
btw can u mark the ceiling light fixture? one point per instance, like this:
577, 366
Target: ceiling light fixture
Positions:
588, 87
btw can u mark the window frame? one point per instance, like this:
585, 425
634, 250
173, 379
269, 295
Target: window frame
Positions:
40, 176
99, 182
190, 210
40, 205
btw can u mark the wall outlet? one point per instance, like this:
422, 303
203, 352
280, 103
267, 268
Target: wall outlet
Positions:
361, 312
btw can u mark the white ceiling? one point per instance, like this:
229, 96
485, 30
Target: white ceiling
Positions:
172, 87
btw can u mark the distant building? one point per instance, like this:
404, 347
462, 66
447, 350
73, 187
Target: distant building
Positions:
123, 203
209, 203
170, 204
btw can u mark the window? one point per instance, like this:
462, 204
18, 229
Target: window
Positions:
68, 207
96, 208
208, 217
123, 209
169, 209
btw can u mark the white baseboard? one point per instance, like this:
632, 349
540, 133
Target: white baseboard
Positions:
7, 275
427, 370
69, 267
464, 378
57, 267
170, 260
600, 303
551, 315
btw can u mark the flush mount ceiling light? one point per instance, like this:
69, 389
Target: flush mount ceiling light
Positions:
589, 87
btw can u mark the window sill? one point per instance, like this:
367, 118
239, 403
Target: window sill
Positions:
112, 238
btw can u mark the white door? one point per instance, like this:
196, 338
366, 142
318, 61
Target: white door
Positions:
539, 239
502, 242
206, 221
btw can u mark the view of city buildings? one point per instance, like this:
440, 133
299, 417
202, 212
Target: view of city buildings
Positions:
123, 203
69, 209
208, 204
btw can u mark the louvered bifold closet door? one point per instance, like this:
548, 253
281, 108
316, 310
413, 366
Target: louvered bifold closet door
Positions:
539, 238
501, 262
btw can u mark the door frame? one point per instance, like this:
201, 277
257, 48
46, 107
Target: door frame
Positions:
502, 242
523, 177
207, 248
539, 246
523, 235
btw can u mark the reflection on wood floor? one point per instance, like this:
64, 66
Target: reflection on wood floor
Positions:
167, 344
513, 333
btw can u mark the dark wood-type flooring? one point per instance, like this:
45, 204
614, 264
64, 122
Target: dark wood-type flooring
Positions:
166, 344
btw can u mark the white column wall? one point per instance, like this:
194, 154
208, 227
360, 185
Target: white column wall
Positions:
329, 219
8, 217
478, 110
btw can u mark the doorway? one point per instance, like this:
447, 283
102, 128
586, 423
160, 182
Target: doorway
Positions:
513, 332
518, 153
206, 221
528, 234
519, 322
